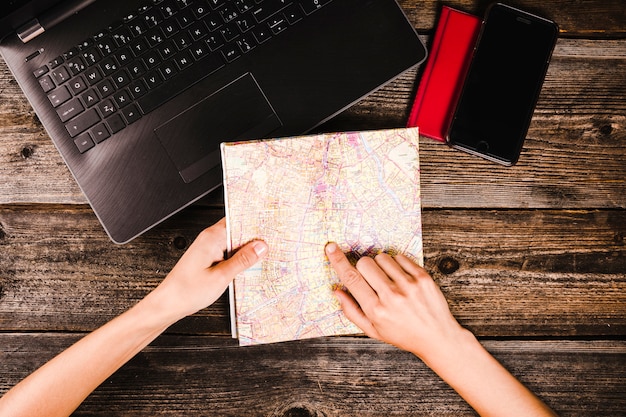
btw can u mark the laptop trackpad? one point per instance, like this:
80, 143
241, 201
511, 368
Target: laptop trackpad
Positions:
237, 111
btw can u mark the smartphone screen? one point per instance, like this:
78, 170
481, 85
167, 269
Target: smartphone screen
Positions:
502, 84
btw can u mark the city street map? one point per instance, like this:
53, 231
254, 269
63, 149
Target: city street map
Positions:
359, 189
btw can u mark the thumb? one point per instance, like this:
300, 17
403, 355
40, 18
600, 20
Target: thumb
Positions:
243, 259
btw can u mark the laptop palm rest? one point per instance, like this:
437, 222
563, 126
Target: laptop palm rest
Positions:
237, 111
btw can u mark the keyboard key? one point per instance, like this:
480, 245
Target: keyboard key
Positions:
131, 114
277, 24
72, 53
215, 4
105, 88
293, 14
182, 40
70, 110
168, 70
122, 36
122, 99
199, 50
168, 9
199, 10
105, 45
138, 47
155, 37
137, 27
40, 71
183, 3
152, 17
137, 69
183, 60
83, 122
152, 59
270, 7
115, 123
213, 21
231, 52
106, 108
99, 133
84, 142
137, 89
108, 66
170, 29
59, 96
246, 43
310, 6
76, 65
198, 31
215, 41
123, 57
93, 75
229, 13
244, 5
60, 75
261, 33
167, 49
229, 32
90, 97
245, 23
92, 56
56, 62
185, 18
121, 78
153, 79
78, 85
46, 83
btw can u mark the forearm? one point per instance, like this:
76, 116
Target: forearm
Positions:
483, 382
58, 387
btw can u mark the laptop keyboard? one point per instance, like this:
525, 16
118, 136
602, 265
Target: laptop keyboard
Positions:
112, 79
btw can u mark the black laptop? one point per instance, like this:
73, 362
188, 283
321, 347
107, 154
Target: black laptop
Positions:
137, 95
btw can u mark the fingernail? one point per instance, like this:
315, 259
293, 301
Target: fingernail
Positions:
331, 247
259, 248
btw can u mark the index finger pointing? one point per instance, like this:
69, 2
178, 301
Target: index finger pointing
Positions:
350, 276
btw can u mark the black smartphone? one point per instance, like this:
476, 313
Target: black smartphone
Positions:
502, 85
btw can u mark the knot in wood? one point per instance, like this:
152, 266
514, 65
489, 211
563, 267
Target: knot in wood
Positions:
3, 234
448, 265
618, 237
606, 130
27, 152
298, 410
180, 242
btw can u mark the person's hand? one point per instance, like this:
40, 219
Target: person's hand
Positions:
201, 275
395, 300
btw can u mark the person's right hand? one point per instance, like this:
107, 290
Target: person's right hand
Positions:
395, 300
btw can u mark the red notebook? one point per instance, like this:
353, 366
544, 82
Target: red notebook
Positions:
450, 55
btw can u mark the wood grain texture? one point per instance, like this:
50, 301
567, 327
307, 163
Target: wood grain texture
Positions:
345, 376
531, 258
58, 270
573, 156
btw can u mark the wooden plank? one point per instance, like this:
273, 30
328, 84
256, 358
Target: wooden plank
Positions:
59, 271
323, 377
573, 157
583, 19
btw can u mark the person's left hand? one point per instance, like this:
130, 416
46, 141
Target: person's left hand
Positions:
201, 275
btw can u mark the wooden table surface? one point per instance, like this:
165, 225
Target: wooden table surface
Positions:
531, 258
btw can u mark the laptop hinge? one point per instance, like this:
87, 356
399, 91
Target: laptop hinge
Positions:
30, 30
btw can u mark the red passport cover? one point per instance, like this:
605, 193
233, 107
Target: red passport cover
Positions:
450, 55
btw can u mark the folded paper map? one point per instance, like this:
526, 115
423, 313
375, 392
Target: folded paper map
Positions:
358, 189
